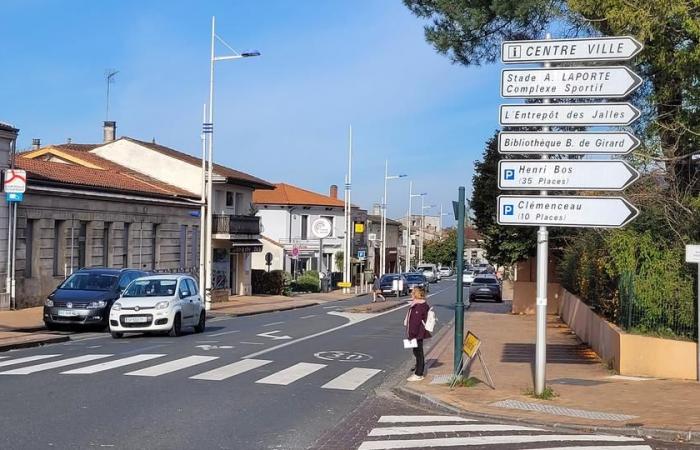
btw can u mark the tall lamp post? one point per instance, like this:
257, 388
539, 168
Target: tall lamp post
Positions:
382, 253
209, 129
422, 226
411, 196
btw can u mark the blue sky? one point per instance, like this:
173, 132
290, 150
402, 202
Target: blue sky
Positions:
283, 116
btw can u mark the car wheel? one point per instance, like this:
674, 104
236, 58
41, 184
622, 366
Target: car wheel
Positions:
199, 328
499, 300
176, 330
52, 326
117, 335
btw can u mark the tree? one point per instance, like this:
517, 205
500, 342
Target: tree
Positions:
443, 250
339, 255
470, 33
503, 245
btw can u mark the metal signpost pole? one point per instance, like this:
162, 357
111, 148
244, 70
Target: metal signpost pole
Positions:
382, 252
459, 303
541, 296
408, 224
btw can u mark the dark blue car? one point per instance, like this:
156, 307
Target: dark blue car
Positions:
86, 296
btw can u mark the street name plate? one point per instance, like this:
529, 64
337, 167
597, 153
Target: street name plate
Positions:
611, 48
610, 143
565, 211
569, 82
581, 114
565, 175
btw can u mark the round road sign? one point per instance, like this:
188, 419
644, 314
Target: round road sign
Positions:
321, 228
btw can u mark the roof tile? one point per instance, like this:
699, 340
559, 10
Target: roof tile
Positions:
286, 194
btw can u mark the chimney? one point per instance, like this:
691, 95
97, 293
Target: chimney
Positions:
376, 209
334, 191
110, 130
36, 143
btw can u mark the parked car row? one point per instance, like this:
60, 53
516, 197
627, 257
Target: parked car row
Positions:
126, 300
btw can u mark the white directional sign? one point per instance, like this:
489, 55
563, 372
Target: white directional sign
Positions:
614, 48
559, 211
563, 175
609, 143
581, 114
565, 82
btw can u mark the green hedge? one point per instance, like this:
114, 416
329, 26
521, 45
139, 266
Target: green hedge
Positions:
269, 283
308, 282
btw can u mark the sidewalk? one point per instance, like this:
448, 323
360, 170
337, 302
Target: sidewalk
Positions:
589, 396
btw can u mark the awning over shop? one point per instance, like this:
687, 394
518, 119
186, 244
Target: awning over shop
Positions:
246, 246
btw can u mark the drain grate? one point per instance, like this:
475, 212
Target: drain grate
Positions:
561, 411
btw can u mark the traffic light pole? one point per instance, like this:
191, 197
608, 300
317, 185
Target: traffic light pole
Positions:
459, 303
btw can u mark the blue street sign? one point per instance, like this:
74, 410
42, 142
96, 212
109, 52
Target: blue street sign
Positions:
194, 213
361, 254
509, 174
508, 210
14, 196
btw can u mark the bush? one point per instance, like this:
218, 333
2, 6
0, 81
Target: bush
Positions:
309, 282
269, 283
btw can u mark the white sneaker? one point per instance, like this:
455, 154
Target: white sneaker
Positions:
415, 377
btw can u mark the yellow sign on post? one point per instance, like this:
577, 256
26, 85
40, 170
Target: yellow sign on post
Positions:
359, 227
344, 284
471, 344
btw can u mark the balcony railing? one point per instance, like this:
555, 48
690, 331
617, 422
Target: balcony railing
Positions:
225, 224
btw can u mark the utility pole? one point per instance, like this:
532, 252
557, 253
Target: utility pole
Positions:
459, 301
348, 218
382, 252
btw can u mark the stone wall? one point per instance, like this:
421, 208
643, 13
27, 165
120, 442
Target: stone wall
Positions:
64, 230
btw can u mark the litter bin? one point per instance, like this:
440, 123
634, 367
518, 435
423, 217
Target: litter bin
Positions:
325, 282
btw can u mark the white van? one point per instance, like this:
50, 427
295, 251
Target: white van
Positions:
430, 271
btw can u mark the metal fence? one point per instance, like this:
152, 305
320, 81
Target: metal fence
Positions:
671, 317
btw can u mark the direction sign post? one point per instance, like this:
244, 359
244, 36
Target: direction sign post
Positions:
568, 114
565, 175
609, 143
692, 255
569, 82
565, 211
612, 48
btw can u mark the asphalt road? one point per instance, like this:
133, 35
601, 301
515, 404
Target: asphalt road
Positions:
276, 380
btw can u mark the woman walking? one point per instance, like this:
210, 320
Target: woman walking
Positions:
415, 329
377, 290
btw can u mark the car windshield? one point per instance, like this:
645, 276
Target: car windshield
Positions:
155, 287
485, 280
469, 272
386, 278
414, 278
90, 281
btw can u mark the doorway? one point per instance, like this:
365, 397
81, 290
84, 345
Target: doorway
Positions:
234, 271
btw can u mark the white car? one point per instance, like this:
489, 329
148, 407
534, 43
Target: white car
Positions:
468, 277
445, 271
158, 303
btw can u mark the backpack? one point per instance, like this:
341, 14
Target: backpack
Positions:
430, 321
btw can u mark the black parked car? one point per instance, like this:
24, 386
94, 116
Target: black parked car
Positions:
417, 279
386, 283
86, 296
485, 287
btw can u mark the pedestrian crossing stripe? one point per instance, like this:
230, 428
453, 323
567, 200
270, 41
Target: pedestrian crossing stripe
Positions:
394, 431
230, 370
54, 364
491, 440
347, 381
172, 366
511, 435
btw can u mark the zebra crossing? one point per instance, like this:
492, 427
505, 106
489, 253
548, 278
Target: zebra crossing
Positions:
440, 431
158, 365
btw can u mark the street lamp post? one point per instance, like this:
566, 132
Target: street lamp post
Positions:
209, 129
422, 227
382, 252
409, 219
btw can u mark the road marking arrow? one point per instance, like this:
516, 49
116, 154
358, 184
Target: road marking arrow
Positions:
269, 334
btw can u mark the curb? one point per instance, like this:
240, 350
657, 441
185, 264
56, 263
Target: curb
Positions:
211, 315
36, 343
662, 434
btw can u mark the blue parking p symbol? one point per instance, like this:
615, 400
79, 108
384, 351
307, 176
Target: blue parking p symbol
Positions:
508, 210
509, 174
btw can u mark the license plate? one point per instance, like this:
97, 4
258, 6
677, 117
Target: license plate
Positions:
135, 319
67, 313
485, 289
